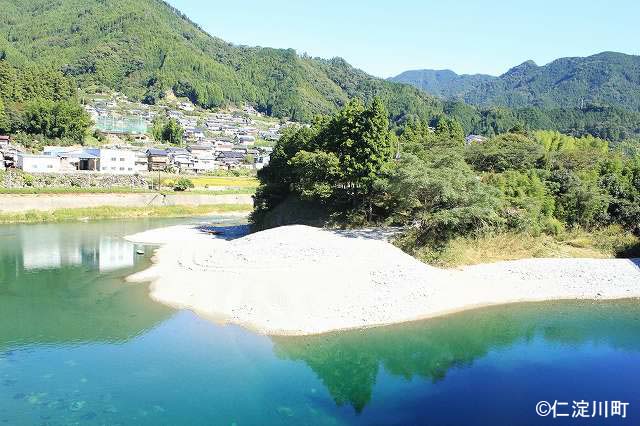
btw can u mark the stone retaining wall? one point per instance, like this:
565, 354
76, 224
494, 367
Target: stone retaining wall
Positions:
17, 179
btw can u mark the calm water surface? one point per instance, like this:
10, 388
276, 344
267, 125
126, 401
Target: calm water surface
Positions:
78, 346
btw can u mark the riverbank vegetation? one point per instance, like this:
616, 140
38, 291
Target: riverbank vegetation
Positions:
349, 169
125, 190
107, 212
38, 100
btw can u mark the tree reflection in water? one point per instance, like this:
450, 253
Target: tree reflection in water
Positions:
348, 363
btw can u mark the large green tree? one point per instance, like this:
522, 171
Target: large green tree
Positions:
4, 121
336, 162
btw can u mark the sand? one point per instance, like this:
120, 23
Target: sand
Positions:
299, 280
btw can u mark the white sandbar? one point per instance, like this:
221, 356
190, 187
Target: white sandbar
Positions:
299, 280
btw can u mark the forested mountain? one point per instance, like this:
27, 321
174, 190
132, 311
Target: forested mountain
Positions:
443, 83
606, 79
145, 47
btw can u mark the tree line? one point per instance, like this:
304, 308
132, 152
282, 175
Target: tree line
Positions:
351, 168
40, 101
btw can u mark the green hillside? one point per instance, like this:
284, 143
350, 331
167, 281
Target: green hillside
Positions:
145, 47
607, 79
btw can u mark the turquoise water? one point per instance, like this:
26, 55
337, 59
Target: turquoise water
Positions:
80, 347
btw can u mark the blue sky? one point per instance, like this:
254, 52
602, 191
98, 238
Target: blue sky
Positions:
386, 38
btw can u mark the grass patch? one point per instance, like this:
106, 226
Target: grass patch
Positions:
125, 190
219, 181
608, 242
74, 190
107, 212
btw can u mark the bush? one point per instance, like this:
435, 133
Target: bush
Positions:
182, 184
505, 152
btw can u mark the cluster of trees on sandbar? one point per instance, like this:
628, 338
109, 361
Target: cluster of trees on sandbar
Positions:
351, 169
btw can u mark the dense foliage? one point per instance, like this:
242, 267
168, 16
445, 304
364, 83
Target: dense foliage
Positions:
167, 130
40, 101
350, 169
333, 164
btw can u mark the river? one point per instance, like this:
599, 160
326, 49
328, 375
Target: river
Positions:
80, 346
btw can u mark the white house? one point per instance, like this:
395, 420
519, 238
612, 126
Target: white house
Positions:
116, 161
221, 146
261, 162
38, 163
142, 161
205, 163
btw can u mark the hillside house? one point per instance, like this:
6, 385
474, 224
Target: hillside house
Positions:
157, 159
471, 139
245, 139
261, 161
223, 146
230, 159
205, 163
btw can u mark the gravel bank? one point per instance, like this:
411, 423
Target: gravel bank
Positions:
300, 280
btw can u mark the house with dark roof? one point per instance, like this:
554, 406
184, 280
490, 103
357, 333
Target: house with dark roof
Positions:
157, 159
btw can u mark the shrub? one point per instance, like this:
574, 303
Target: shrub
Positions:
28, 180
182, 184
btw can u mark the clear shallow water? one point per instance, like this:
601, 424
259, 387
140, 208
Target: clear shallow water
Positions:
79, 346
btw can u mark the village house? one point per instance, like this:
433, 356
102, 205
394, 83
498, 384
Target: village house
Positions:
32, 163
181, 160
4, 141
230, 159
141, 161
115, 161
205, 163
245, 139
261, 161
157, 159
78, 160
223, 146
471, 139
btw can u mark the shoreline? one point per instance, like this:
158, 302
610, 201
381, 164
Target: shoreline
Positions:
20, 203
119, 212
291, 281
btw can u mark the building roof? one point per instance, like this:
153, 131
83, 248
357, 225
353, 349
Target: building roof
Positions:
156, 152
231, 154
80, 154
475, 138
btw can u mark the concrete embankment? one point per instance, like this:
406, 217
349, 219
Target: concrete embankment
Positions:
47, 202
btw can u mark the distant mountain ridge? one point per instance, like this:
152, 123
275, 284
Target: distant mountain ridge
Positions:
606, 79
442, 83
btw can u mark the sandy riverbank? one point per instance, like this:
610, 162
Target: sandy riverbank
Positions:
301, 280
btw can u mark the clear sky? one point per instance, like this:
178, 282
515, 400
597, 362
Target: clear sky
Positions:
385, 38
